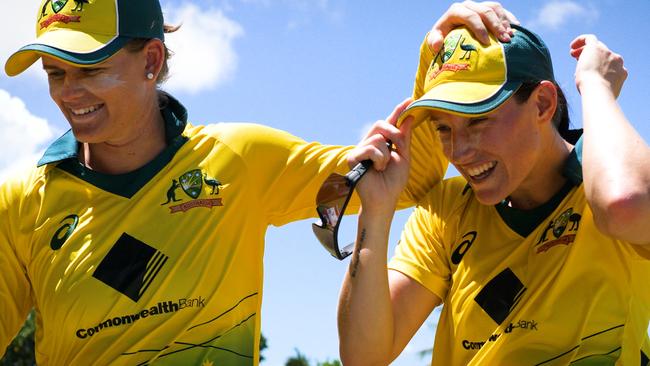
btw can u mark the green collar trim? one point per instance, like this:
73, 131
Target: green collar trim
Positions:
64, 152
524, 222
67, 147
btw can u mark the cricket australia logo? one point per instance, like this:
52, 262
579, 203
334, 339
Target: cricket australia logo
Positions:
559, 228
440, 62
192, 184
56, 6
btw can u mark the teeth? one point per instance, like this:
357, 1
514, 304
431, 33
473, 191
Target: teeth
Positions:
82, 111
480, 169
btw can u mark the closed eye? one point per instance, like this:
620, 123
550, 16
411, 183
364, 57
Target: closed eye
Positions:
442, 129
477, 121
91, 70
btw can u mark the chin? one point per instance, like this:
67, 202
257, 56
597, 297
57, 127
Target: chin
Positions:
86, 134
488, 198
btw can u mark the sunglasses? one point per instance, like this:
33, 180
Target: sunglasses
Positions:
331, 201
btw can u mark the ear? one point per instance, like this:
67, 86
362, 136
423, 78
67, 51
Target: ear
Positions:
545, 99
154, 51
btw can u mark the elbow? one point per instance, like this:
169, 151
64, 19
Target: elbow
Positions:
625, 217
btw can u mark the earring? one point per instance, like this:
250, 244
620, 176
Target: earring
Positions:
150, 75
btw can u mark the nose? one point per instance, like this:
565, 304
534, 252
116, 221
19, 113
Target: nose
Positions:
70, 89
460, 147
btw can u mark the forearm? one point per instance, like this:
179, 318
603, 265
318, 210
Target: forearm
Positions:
616, 164
365, 311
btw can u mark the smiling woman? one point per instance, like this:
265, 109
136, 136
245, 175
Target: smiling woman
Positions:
541, 220
138, 237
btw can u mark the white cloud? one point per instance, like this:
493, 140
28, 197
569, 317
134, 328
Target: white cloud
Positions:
204, 57
22, 135
556, 13
19, 29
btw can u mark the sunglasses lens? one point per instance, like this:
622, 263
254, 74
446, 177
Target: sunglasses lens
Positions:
331, 200
326, 238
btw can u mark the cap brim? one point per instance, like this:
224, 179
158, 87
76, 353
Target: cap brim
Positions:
452, 98
72, 47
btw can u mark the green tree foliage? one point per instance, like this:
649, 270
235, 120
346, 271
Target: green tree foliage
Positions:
298, 360
21, 351
330, 363
263, 345
301, 360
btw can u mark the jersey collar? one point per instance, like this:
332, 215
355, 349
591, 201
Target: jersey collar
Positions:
573, 166
67, 146
524, 222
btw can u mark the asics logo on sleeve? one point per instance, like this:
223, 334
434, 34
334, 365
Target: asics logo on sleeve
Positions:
60, 236
463, 247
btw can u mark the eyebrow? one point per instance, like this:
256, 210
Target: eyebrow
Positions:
47, 67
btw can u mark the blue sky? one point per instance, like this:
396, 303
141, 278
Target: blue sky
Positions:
322, 70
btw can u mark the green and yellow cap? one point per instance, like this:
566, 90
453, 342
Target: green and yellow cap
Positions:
87, 32
468, 78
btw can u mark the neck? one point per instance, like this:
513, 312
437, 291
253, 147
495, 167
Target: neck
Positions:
546, 178
144, 142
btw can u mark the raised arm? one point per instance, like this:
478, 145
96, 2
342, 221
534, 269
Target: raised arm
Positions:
616, 160
481, 19
371, 330
380, 310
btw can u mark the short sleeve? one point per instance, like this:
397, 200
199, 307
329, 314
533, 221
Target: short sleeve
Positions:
15, 288
428, 163
286, 172
421, 253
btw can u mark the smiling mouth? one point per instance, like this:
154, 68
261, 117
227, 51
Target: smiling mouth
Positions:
84, 111
482, 171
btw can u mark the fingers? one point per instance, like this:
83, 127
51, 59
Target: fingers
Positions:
402, 139
512, 19
403, 146
394, 116
493, 18
375, 145
579, 43
481, 19
597, 63
376, 149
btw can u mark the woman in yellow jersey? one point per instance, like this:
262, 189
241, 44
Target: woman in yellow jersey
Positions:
139, 238
540, 250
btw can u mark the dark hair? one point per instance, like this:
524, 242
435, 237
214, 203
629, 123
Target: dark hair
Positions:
137, 45
560, 117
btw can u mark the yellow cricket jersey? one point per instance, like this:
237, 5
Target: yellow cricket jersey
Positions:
539, 287
162, 265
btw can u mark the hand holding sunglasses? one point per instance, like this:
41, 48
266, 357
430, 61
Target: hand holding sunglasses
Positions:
333, 198
331, 201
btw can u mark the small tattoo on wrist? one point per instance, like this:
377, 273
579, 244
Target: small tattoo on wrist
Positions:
357, 254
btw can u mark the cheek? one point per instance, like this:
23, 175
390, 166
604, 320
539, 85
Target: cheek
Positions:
55, 90
104, 83
446, 146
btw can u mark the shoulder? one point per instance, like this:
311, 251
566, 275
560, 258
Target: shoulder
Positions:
447, 196
238, 132
22, 183
444, 206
